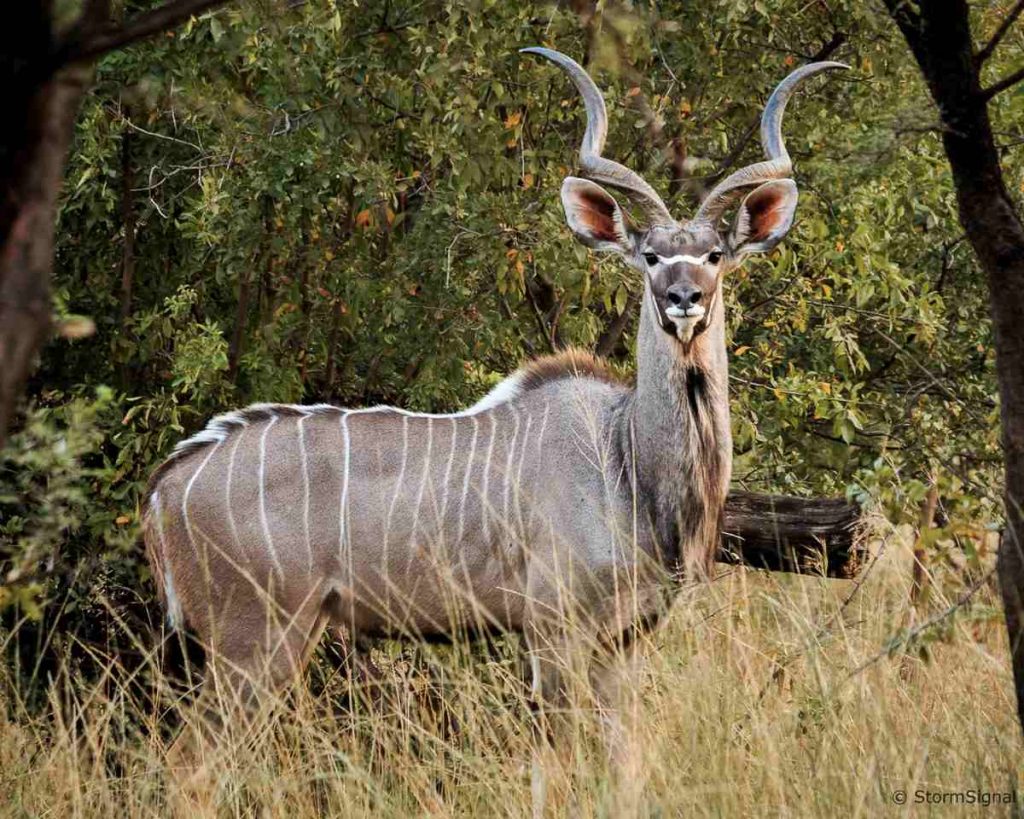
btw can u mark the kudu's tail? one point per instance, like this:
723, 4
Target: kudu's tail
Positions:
156, 555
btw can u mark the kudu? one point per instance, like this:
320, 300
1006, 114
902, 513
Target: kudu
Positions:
562, 495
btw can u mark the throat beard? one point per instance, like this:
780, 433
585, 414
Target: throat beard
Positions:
696, 389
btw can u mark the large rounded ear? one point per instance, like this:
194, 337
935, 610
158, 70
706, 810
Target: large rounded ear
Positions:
765, 216
595, 217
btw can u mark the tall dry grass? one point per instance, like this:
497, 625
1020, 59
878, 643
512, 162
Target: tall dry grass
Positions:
754, 702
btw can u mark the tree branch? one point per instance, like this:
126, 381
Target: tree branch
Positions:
542, 290
609, 339
831, 46
990, 46
1003, 84
86, 42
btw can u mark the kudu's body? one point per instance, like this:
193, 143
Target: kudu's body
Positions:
391, 523
563, 496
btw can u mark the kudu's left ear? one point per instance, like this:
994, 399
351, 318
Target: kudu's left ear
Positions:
765, 216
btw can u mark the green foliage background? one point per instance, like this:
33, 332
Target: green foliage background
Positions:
357, 202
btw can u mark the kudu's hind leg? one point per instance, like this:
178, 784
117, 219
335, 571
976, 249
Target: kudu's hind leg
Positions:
252, 655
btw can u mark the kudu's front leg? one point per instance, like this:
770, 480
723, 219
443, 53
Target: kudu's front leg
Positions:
615, 680
352, 659
550, 660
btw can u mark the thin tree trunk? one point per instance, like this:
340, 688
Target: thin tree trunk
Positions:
939, 35
919, 575
332, 342
609, 339
238, 331
128, 221
302, 333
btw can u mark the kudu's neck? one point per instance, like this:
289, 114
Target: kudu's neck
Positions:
680, 436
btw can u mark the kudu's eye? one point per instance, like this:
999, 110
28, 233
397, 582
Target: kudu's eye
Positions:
651, 259
715, 256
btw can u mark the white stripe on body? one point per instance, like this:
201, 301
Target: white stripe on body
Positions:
543, 427
305, 491
465, 481
448, 472
423, 481
343, 503
517, 490
227, 492
188, 490
263, 499
484, 499
398, 486
506, 485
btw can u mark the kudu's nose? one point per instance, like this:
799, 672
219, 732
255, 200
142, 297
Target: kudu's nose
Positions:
684, 295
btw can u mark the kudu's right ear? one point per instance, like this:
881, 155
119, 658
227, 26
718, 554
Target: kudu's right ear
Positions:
595, 217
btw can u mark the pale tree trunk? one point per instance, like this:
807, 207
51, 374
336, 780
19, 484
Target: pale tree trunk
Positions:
44, 74
919, 573
127, 218
939, 35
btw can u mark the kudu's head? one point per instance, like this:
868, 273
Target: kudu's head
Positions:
684, 262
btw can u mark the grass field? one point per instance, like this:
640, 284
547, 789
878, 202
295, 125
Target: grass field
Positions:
755, 701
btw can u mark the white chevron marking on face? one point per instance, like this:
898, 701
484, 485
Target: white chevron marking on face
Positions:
683, 258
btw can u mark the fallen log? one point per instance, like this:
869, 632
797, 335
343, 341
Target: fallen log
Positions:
816, 536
